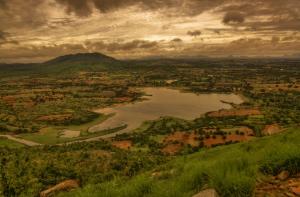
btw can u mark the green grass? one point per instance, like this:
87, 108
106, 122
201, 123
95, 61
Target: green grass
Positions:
144, 126
86, 126
232, 170
48, 135
158, 138
9, 143
51, 135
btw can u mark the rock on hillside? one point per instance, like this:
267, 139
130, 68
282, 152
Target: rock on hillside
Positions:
63, 186
207, 193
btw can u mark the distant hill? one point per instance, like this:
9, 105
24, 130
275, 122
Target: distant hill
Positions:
81, 62
67, 64
82, 58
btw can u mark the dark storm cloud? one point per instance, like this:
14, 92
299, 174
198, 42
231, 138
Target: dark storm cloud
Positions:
177, 40
194, 33
3, 35
291, 38
182, 7
38, 24
233, 18
21, 14
2, 3
81, 8
279, 15
135, 44
58, 22
282, 14
85, 7
4, 38
275, 40
123, 46
217, 31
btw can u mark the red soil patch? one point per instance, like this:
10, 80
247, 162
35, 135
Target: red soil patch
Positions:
211, 141
279, 87
123, 99
125, 144
172, 149
176, 141
28, 104
9, 98
229, 138
183, 137
271, 129
234, 112
238, 138
61, 117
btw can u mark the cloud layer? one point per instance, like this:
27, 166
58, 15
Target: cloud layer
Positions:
36, 30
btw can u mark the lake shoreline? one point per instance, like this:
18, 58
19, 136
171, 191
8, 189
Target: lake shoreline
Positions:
167, 100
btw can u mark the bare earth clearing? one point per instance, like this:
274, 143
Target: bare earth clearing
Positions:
234, 112
19, 140
125, 144
175, 142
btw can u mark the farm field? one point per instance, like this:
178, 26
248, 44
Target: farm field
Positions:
173, 143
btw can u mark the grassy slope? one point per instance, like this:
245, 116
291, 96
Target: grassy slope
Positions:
232, 170
9, 143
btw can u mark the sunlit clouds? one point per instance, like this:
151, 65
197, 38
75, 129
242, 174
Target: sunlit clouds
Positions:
37, 30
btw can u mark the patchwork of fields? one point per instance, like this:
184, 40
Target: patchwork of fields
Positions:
48, 119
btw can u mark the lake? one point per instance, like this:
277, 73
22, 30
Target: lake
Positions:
164, 102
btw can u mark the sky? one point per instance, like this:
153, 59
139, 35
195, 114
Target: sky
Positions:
38, 30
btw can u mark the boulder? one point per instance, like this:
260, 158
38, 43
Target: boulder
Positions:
207, 193
284, 175
63, 186
271, 129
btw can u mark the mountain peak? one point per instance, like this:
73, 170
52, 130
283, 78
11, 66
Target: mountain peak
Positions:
82, 58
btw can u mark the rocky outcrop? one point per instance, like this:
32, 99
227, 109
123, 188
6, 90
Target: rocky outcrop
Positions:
63, 186
207, 193
284, 184
271, 129
284, 175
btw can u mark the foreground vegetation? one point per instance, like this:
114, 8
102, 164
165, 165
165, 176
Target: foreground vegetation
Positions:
103, 170
232, 170
27, 171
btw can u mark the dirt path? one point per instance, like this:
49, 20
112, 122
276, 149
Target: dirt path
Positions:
21, 141
32, 143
